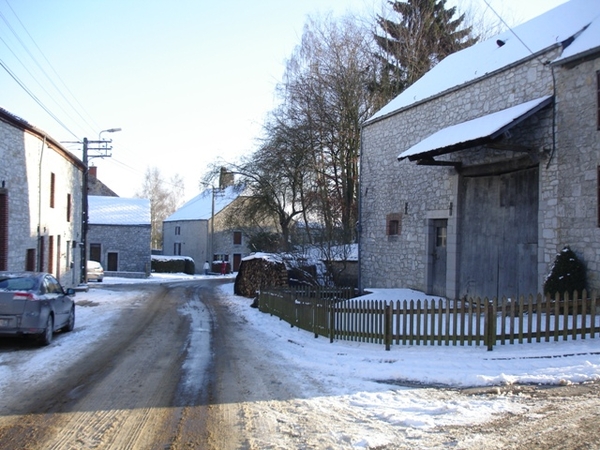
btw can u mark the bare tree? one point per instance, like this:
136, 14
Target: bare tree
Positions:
165, 197
325, 89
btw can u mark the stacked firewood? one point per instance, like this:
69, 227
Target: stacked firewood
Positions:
257, 273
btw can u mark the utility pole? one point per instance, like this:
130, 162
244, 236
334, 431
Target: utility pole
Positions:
101, 151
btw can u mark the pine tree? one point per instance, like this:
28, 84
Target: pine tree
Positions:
567, 274
426, 33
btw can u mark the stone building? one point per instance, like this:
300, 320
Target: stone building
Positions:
477, 175
40, 202
119, 235
199, 229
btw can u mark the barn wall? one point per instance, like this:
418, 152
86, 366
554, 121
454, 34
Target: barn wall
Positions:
420, 194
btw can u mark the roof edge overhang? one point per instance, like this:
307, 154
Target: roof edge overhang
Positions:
458, 87
17, 122
427, 157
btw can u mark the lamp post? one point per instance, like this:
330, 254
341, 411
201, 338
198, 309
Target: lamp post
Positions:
84, 209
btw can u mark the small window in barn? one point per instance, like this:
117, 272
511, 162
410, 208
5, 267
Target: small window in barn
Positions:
52, 187
237, 238
177, 248
394, 224
177, 231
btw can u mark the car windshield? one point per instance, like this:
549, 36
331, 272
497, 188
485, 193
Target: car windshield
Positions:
18, 284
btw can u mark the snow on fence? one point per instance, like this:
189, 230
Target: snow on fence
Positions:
331, 313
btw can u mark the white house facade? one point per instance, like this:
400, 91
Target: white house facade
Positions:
199, 230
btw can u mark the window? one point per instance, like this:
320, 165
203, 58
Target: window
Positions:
237, 238
177, 231
52, 187
177, 248
394, 224
440, 236
68, 207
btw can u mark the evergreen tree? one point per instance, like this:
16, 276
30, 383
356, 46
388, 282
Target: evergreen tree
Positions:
567, 274
425, 34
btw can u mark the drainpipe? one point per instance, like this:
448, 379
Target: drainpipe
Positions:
38, 263
359, 225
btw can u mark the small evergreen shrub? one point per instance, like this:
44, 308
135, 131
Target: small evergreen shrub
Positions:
567, 274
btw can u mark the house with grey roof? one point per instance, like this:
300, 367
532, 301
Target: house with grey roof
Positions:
200, 230
40, 202
119, 235
477, 175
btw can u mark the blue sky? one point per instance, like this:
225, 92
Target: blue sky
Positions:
187, 80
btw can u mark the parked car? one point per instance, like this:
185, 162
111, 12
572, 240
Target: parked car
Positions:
34, 304
95, 271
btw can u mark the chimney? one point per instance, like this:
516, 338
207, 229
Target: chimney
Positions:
226, 178
92, 171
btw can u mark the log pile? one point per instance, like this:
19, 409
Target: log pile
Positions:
259, 272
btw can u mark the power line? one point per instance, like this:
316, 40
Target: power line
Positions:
37, 100
94, 126
507, 26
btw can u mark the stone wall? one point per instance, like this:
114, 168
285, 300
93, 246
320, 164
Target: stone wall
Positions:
572, 213
420, 193
28, 162
130, 242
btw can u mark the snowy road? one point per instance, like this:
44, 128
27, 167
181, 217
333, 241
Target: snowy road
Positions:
181, 365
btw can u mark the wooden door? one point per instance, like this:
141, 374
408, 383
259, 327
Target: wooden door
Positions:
439, 231
498, 234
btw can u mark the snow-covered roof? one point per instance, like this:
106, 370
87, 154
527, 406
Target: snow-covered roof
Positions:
200, 207
537, 35
586, 43
118, 210
470, 132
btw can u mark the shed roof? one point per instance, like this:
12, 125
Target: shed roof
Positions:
118, 210
474, 132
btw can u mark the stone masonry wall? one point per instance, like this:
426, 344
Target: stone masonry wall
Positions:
420, 193
27, 165
573, 220
131, 242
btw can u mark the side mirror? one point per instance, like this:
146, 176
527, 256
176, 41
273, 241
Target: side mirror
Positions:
70, 291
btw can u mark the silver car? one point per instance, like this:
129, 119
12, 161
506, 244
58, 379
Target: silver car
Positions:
34, 304
95, 271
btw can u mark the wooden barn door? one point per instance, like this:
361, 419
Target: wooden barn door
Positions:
498, 234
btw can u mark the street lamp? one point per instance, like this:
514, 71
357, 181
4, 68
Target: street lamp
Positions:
84, 211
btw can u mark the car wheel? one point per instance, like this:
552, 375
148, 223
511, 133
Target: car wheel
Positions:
71, 322
99, 280
46, 336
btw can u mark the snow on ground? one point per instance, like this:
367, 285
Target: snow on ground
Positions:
359, 379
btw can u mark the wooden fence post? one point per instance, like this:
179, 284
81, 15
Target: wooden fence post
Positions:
387, 333
490, 321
